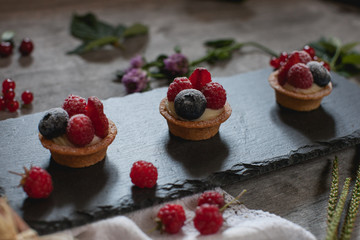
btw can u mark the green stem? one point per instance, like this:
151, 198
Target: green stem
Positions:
263, 48
235, 199
335, 58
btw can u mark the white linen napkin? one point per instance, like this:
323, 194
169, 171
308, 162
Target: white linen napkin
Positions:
240, 223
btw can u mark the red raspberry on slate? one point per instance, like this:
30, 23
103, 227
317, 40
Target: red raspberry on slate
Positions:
12, 105
300, 76
95, 111
199, 78
26, 47
27, 97
80, 130
171, 218
143, 174
177, 86
74, 105
211, 197
36, 182
7, 84
215, 95
2, 103
208, 219
5, 49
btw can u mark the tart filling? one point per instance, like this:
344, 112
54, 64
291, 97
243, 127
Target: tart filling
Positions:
209, 113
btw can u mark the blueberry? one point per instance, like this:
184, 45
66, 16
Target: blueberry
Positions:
190, 104
54, 122
320, 74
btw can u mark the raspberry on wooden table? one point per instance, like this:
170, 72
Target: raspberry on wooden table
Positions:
171, 218
143, 174
215, 95
211, 197
208, 219
199, 78
80, 130
177, 86
74, 105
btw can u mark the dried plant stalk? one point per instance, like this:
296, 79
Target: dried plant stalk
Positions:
353, 210
333, 226
334, 191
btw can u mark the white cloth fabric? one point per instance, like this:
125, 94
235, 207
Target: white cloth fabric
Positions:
240, 223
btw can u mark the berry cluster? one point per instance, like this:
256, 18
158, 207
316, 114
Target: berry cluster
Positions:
277, 62
208, 215
36, 182
78, 119
300, 70
7, 99
25, 48
191, 96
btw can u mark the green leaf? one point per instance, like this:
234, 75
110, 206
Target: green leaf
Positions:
136, 29
119, 30
353, 58
7, 36
91, 45
84, 27
347, 47
219, 43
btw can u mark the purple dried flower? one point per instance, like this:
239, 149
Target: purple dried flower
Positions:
137, 62
135, 80
177, 64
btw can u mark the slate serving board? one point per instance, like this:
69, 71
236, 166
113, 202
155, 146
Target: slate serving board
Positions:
259, 137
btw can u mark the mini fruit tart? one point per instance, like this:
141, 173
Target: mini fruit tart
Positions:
195, 108
300, 83
79, 133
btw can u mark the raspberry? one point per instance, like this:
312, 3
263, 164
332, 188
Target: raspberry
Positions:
177, 86
36, 182
294, 58
208, 219
171, 218
215, 95
143, 174
199, 78
80, 130
95, 111
211, 197
53, 123
300, 76
74, 105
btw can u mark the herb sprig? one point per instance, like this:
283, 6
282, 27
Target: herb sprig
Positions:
337, 204
96, 34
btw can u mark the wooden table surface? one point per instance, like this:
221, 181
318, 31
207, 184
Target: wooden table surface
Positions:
297, 193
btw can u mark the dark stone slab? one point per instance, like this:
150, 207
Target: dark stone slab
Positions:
259, 137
